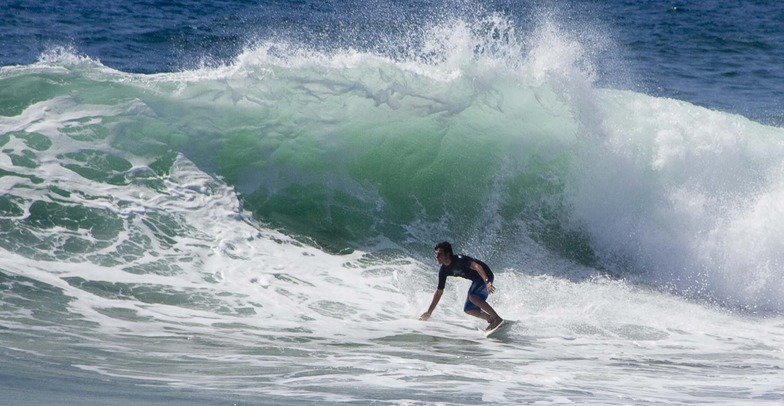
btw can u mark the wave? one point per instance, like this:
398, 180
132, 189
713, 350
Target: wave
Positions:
475, 132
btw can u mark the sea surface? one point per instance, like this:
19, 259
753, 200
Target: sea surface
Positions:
235, 202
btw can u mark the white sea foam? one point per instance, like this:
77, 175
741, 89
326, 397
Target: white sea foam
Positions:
680, 193
324, 326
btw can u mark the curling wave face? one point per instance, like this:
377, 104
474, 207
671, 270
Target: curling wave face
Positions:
475, 132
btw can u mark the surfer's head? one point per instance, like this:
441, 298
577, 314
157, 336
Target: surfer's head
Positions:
443, 248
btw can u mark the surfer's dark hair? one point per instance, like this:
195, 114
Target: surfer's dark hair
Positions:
445, 247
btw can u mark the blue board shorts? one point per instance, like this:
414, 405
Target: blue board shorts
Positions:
479, 289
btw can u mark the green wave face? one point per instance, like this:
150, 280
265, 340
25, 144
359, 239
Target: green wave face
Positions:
512, 157
345, 168
342, 155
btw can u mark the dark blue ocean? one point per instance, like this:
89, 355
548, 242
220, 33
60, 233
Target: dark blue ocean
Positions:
235, 202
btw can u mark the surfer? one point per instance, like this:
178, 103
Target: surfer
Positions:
482, 284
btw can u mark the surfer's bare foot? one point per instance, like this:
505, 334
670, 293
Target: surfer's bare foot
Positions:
494, 323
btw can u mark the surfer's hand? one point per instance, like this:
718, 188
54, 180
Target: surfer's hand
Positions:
490, 287
424, 316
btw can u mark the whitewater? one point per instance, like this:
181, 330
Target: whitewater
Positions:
261, 231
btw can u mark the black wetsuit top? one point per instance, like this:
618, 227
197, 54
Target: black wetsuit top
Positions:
461, 266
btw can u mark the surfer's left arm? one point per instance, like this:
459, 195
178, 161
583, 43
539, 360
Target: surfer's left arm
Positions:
481, 271
433, 304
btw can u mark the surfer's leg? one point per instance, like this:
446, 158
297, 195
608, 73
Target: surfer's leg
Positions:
471, 308
480, 314
477, 306
492, 317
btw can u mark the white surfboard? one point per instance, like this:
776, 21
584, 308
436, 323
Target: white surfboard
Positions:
505, 324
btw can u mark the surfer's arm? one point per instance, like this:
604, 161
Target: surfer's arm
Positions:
479, 269
433, 304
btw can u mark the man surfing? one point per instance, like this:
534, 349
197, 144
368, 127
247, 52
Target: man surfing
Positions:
482, 284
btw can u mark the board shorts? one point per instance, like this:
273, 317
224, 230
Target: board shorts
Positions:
478, 289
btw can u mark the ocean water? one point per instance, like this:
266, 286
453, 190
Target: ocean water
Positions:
235, 202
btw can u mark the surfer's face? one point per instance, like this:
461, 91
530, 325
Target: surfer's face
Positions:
440, 256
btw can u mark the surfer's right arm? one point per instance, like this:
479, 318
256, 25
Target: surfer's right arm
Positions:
433, 304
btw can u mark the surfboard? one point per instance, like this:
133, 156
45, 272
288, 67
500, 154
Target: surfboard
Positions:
505, 324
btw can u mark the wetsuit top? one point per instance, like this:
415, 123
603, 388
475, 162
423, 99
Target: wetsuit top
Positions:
461, 266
